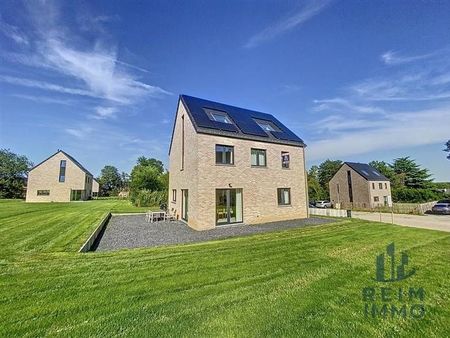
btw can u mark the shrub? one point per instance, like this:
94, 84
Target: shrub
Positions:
415, 195
147, 198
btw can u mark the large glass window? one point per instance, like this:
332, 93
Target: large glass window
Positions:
62, 171
259, 157
224, 154
284, 196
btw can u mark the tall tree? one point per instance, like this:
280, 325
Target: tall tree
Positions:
326, 171
145, 177
125, 181
409, 174
447, 149
13, 174
144, 161
110, 181
315, 190
384, 168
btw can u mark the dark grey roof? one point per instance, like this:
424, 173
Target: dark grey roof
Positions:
78, 164
366, 171
243, 122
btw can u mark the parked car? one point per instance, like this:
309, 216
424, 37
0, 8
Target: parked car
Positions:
323, 204
441, 207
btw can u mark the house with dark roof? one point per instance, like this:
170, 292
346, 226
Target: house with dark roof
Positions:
59, 178
233, 165
359, 185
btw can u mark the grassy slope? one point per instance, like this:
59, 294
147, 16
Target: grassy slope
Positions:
296, 282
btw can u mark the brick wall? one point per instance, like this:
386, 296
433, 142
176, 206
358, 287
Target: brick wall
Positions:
202, 177
46, 177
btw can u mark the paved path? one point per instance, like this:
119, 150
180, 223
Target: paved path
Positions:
434, 222
132, 231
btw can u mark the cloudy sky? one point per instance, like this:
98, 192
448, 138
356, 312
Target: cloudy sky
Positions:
357, 80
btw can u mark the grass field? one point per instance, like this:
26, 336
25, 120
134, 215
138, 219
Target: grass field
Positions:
305, 282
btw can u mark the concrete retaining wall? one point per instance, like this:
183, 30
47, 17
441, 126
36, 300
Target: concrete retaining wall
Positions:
91, 240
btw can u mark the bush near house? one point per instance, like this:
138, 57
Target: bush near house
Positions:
416, 195
148, 198
148, 183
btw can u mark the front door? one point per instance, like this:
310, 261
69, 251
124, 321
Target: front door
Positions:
184, 204
228, 206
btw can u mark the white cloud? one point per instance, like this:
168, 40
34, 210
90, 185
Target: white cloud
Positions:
44, 99
403, 107
394, 58
308, 11
404, 129
81, 133
91, 64
45, 86
102, 113
13, 33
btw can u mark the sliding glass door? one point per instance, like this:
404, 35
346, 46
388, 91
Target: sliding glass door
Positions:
228, 206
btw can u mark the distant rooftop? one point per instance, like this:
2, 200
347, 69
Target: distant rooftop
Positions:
215, 118
366, 171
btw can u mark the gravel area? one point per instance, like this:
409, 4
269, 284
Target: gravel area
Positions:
132, 231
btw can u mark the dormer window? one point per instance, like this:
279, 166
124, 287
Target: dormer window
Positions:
218, 116
266, 125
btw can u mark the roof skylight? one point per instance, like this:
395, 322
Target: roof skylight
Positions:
218, 116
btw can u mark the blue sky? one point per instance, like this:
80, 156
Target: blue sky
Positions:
357, 80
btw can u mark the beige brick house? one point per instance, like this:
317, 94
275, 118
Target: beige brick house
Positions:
59, 178
232, 165
359, 185
95, 188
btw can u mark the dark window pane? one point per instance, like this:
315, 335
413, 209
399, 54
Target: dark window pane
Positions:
224, 154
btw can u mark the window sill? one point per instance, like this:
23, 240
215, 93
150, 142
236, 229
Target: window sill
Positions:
225, 165
285, 205
285, 168
259, 166
173, 202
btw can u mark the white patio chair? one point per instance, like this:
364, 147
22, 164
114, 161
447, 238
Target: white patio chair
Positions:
149, 216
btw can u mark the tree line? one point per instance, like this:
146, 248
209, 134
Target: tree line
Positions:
409, 181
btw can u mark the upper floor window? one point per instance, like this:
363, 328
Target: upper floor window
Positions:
373, 185
385, 185
62, 171
380, 185
285, 159
224, 154
284, 196
259, 157
217, 115
266, 125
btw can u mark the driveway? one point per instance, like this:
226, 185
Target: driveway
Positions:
132, 231
433, 222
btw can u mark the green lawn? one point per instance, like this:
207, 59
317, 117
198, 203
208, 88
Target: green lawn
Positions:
305, 282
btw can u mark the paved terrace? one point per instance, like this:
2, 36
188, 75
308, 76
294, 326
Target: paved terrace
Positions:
132, 231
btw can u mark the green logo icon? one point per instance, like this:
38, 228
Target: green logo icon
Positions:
397, 272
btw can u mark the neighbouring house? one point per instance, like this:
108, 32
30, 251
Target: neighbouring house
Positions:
59, 178
359, 185
95, 188
233, 165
